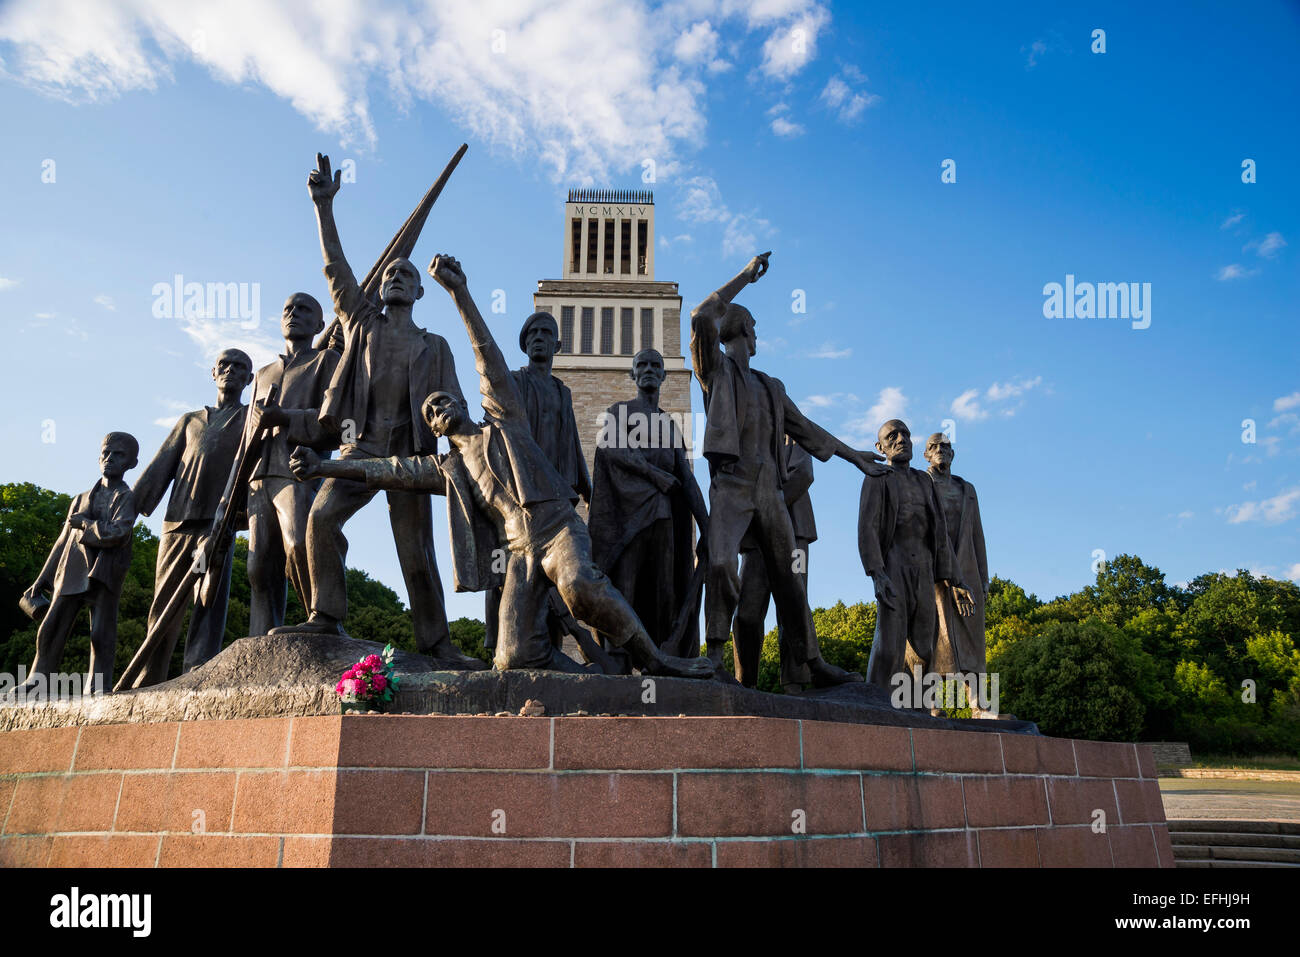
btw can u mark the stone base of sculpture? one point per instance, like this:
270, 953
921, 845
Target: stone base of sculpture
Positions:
284, 675
434, 790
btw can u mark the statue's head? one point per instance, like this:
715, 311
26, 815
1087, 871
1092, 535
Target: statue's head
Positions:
894, 441
648, 369
540, 337
233, 371
444, 412
400, 285
118, 454
302, 317
738, 323
938, 450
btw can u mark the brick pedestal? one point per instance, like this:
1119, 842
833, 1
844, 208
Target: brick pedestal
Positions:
558, 792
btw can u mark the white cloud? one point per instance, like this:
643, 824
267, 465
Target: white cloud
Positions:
1266, 247
1283, 403
890, 404
7, 283
1232, 220
999, 392
106, 301
828, 350
698, 43
1033, 52
861, 429
587, 88
966, 406
828, 401
783, 127
840, 97
701, 202
212, 336
1293, 572
1233, 271
792, 45
178, 409
1269, 511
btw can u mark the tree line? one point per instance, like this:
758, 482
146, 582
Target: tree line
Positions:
1129, 657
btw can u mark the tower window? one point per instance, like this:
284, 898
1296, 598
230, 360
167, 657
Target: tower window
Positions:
647, 328
625, 250
575, 259
642, 238
588, 321
607, 331
566, 327
593, 235
625, 342
607, 260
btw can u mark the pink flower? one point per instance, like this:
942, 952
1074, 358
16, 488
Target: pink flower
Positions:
373, 661
353, 687
380, 682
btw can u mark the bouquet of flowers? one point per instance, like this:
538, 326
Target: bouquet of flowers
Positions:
369, 685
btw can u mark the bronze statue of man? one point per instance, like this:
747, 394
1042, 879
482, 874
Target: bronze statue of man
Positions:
549, 405
756, 591
373, 401
196, 462
278, 504
643, 501
905, 550
86, 567
508, 506
748, 417
960, 648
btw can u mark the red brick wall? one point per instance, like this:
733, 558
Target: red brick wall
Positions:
426, 791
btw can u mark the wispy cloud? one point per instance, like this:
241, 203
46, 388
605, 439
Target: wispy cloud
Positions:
966, 406
7, 283
781, 125
973, 405
1269, 511
828, 350
105, 300
177, 407
793, 43
830, 401
1285, 402
1232, 220
1234, 271
701, 202
214, 335
1267, 247
840, 96
890, 403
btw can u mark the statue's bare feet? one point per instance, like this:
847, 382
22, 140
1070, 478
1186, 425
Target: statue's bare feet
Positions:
826, 675
669, 666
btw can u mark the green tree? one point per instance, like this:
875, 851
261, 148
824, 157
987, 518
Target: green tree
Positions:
1074, 679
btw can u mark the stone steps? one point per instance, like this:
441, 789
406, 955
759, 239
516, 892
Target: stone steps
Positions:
1235, 843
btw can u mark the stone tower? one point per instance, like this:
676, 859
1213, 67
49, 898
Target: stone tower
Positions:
609, 307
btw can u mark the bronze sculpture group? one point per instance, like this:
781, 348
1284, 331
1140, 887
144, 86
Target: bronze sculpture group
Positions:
382, 393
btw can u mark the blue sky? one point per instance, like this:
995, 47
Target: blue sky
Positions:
181, 140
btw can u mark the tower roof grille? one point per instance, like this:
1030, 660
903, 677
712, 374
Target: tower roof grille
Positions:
641, 196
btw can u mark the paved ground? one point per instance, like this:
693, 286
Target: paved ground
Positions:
1218, 800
